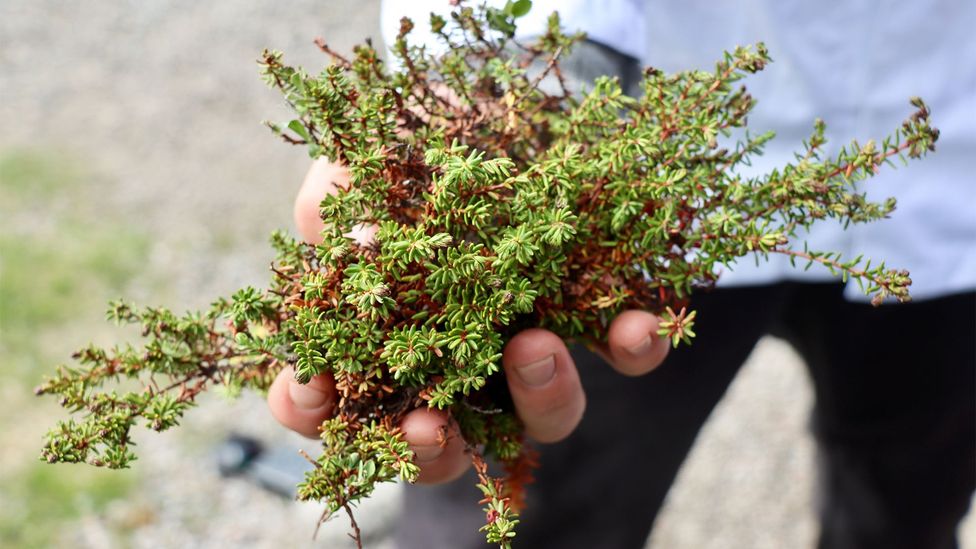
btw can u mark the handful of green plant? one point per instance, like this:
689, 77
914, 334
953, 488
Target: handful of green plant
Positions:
499, 206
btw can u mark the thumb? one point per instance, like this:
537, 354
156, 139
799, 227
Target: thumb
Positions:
321, 179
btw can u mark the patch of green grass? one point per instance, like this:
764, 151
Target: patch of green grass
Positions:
34, 173
59, 259
47, 284
44, 499
63, 253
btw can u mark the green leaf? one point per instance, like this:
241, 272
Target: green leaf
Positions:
519, 7
299, 128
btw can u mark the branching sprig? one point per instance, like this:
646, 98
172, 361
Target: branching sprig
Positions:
499, 206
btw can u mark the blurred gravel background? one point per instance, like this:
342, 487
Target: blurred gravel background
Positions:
134, 164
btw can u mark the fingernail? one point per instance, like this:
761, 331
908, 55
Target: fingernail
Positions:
537, 373
424, 453
641, 348
305, 397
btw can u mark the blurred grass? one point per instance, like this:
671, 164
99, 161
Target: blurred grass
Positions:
63, 253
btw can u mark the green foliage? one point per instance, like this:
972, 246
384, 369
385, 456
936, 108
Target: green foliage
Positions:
499, 206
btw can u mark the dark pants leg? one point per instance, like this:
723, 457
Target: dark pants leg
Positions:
603, 486
895, 418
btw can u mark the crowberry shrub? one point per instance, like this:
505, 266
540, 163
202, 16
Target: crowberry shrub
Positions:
499, 206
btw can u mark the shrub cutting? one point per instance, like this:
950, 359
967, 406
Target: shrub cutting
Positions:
502, 200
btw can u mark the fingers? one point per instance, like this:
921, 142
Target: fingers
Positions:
544, 384
633, 344
302, 408
542, 379
437, 446
321, 179
545, 388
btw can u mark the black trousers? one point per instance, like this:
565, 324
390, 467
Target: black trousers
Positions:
895, 423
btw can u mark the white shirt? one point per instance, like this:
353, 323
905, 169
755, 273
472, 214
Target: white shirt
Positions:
853, 63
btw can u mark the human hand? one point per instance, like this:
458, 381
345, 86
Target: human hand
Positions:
541, 375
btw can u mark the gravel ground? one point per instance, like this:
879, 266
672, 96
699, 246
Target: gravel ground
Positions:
162, 99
